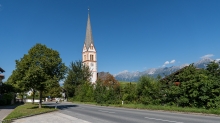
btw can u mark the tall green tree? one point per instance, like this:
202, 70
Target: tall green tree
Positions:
148, 90
213, 69
40, 69
53, 90
107, 89
16, 81
198, 88
129, 93
85, 92
78, 74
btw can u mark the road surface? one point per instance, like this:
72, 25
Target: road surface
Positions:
102, 114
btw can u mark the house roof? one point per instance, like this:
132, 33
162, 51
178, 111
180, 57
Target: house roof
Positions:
89, 38
1, 70
103, 75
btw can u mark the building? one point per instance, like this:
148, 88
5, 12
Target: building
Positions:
1, 78
1, 75
89, 56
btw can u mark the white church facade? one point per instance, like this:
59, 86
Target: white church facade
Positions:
89, 56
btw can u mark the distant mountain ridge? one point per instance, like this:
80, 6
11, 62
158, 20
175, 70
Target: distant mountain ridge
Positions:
154, 72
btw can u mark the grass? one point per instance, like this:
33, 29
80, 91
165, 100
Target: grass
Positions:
160, 107
124, 83
172, 108
28, 109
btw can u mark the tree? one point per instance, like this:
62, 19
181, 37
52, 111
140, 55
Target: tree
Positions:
129, 92
39, 69
109, 81
85, 92
15, 81
198, 88
54, 91
99, 93
78, 74
107, 89
213, 69
148, 90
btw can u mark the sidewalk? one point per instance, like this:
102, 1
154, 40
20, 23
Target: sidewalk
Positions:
6, 110
53, 117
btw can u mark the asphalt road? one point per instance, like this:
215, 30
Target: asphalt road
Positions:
102, 114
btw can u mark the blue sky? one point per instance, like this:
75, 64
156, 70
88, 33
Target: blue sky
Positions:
128, 34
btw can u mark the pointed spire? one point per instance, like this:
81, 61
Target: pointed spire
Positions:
89, 39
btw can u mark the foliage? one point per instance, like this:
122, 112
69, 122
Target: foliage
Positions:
78, 74
6, 98
100, 92
84, 92
40, 69
109, 81
148, 90
107, 90
15, 81
7, 93
6, 88
53, 91
199, 88
129, 93
188, 88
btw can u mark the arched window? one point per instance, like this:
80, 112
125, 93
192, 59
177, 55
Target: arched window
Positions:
91, 57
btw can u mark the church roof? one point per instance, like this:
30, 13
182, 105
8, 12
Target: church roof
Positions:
89, 39
1, 70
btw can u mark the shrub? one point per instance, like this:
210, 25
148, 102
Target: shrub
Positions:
6, 99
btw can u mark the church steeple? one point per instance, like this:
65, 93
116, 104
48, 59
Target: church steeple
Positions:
89, 56
88, 39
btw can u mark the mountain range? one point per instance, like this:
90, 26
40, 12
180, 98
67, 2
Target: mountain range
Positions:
154, 72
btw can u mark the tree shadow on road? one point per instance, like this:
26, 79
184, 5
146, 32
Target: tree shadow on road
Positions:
62, 107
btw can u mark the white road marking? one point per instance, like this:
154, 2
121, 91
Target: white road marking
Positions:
106, 111
151, 118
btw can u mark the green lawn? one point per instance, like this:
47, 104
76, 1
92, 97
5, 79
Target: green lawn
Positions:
124, 83
28, 109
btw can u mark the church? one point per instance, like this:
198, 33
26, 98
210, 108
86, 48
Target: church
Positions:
89, 56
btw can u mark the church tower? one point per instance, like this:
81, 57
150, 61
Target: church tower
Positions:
89, 56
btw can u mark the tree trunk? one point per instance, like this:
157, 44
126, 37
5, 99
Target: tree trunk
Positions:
22, 97
40, 104
33, 96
